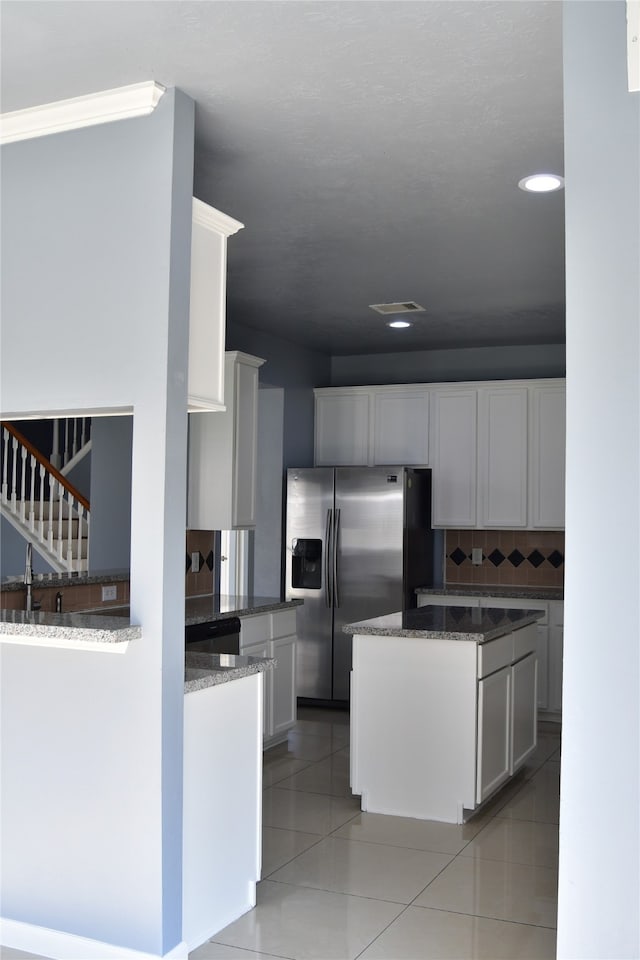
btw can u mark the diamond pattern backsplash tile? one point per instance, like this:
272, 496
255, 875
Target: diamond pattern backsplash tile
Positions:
200, 542
520, 558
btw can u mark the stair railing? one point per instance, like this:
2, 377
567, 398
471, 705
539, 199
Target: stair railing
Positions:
42, 499
70, 435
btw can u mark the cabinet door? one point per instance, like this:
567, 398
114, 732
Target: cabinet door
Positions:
245, 445
524, 719
453, 457
502, 457
493, 732
542, 653
207, 323
342, 430
284, 684
401, 428
547, 457
262, 650
555, 668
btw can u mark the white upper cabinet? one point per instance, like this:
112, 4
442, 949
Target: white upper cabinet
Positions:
401, 427
209, 232
453, 456
502, 457
342, 428
547, 432
223, 449
496, 448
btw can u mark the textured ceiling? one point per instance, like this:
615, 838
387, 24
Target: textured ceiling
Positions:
372, 149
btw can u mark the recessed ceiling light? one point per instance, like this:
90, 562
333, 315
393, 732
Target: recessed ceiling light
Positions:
541, 183
398, 324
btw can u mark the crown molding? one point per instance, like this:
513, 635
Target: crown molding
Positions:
121, 103
213, 219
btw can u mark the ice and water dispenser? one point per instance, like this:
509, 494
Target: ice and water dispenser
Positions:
306, 564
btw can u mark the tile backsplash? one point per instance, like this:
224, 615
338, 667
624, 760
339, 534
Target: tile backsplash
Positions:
200, 542
523, 558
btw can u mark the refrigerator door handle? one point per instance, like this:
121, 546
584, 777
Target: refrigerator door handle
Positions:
336, 550
327, 555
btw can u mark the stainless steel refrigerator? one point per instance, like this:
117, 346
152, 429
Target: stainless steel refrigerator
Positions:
358, 543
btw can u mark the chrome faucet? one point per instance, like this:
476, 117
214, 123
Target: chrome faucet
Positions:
28, 579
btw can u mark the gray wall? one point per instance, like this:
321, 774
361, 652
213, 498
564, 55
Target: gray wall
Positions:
111, 450
442, 366
599, 878
267, 539
298, 371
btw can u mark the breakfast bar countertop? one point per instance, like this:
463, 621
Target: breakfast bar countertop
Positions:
59, 629
446, 623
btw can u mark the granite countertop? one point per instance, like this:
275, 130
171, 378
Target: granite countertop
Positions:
81, 627
221, 606
41, 580
204, 670
516, 593
112, 624
447, 623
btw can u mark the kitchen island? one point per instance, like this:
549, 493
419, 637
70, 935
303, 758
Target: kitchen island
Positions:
443, 708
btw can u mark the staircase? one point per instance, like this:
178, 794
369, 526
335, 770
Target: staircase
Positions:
39, 501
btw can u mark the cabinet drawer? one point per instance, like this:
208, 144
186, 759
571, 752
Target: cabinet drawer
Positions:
494, 654
254, 629
524, 641
283, 623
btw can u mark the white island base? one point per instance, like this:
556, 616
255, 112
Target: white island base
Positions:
439, 725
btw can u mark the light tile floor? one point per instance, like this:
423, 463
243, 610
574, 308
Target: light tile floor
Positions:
339, 884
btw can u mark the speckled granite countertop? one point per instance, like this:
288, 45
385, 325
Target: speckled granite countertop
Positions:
204, 670
64, 579
112, 624
516, 593
80, 627
447, 623
218, 607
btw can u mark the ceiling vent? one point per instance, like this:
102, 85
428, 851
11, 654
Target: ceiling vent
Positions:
385, 308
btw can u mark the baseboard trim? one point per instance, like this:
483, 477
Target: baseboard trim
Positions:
68, 946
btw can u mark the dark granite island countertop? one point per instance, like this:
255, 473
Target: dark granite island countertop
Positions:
514, 593
478, 624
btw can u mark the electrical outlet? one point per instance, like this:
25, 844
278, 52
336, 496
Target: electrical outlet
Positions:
476, 556
195, 562
110, 593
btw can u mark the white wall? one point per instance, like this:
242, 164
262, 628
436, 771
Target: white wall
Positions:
599, 897
96, 231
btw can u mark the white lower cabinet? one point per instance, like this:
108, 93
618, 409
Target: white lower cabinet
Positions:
274, 635
438, 727
556, 631
493, 732
262, 650
548, 639
284, 685
524, 734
